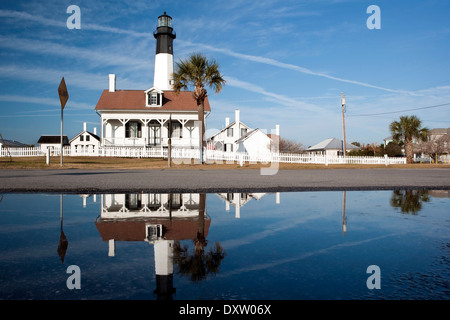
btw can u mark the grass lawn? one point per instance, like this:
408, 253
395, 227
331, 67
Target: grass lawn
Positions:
157, 163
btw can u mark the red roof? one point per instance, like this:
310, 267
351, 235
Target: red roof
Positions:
136, 100
134, 230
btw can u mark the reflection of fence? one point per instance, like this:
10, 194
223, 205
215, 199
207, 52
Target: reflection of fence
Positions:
211, 155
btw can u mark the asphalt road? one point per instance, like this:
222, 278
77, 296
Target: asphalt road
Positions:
208, 180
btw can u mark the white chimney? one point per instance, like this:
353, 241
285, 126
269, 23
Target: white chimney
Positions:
237, 131
112, 82
84, 126
277, 129
95, 130
227, 122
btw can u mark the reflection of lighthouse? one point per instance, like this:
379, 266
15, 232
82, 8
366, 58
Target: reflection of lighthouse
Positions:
159, 219
164, 269
344, 218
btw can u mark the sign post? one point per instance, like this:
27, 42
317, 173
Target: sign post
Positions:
63, 97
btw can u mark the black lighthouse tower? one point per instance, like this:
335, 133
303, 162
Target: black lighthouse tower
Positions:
164, 36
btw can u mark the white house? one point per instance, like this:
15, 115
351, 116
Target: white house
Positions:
52, 142
330, 147
85, 143
255, 142
238, 137
145, 117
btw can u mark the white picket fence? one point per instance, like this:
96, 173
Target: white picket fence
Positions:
212, 156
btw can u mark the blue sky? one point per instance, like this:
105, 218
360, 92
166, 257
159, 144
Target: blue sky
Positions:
285, 62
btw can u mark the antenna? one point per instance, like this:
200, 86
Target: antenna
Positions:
344, 144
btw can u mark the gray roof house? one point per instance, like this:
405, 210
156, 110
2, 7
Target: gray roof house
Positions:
330, 147
12, 144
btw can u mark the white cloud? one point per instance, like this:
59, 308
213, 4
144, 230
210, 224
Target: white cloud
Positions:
84, 80
56, 49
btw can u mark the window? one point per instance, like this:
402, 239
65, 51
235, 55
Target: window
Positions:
133, 201
154, 99
133, 130
243, 131
176, 130
81, 138
154, 231
88, 138
229, 132
228, 147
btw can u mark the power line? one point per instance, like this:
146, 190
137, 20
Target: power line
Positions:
380, 113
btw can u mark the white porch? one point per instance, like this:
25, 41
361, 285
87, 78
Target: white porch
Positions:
131, 130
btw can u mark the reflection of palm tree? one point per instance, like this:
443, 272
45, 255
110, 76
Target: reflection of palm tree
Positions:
409, 201
199, 264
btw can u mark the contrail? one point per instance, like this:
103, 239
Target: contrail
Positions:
288, 66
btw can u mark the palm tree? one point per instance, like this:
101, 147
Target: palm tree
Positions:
407, 129
199, 72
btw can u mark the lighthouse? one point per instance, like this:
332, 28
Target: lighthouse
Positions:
164, 36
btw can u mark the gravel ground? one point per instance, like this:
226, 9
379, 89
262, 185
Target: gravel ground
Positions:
251, 180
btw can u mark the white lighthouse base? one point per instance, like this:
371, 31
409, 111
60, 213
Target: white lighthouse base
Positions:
163, 71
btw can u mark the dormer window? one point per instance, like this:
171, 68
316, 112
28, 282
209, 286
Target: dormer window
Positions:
154, 97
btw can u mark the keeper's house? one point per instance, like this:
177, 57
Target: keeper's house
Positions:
144, 117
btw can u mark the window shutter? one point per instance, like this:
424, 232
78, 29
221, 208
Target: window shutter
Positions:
127, 130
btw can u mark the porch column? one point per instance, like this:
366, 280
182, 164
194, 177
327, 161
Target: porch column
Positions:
162, 122
145, 131
183, 122
104, 122
124, 122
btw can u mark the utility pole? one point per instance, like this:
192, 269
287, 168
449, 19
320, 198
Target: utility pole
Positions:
344, 143
169, 143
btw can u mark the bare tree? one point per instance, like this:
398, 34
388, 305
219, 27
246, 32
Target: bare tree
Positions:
435, 146
290, 146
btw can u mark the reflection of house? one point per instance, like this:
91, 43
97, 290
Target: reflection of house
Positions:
85, 142
439, 193
237, 137
237, 200
175, 205
52, 142
159, 219
145, 117
330, 147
